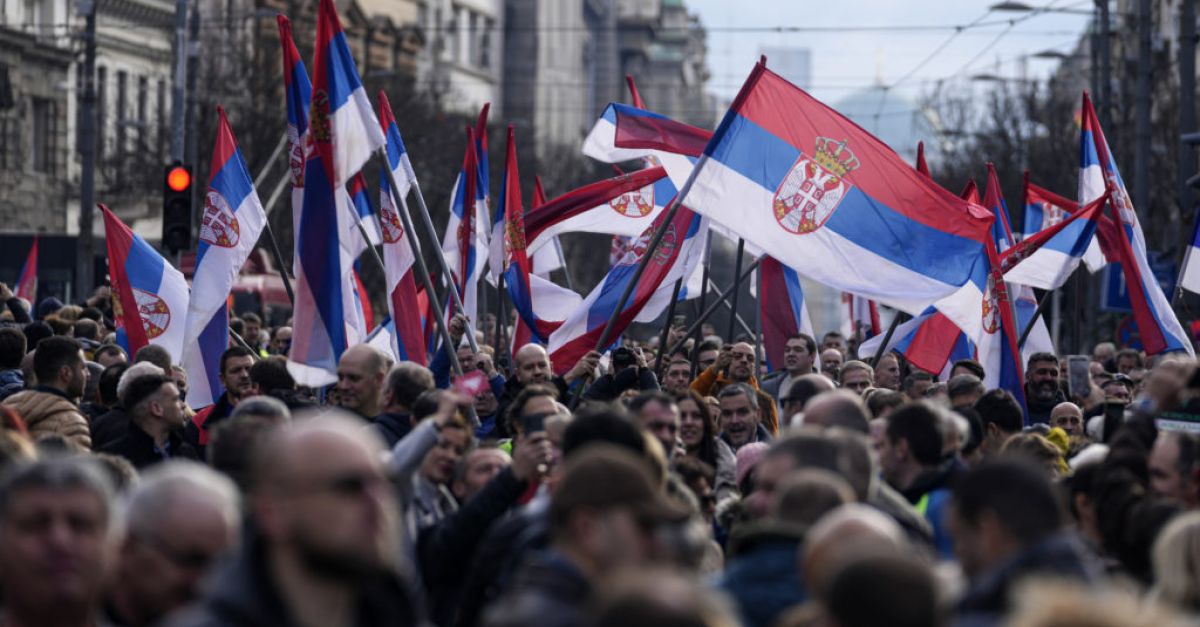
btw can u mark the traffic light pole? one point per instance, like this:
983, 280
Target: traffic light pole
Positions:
87, 148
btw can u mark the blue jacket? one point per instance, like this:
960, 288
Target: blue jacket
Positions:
11, 382
761, 574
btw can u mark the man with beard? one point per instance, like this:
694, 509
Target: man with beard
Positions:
740, 424
235, 378
799, 351
51, 408
180, 518
323, 546
1042, 390
735, 364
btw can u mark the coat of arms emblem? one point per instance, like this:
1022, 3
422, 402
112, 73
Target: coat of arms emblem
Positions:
814, 186
218, 226
636, 204
393, 231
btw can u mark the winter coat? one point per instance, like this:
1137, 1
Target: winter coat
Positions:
138, 447
109, 427
391, 426
710, 382
48, 412
549, 591
761, 573
11, 382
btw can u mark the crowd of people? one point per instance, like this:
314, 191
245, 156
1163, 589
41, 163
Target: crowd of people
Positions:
636, 489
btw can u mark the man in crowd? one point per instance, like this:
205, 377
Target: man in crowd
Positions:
657, 414
56, 523
916, 385
1042, 389
234, 367
833, 340
1128, 360
52, 408
281, 341
1001, 418
477, 469
323, 547
155, 422
253, 330
887, 372
735, 364
1174, 466
1068, 417
831, 364
405, 383
964, 390
740, 423
111, 425
799, 351
911, 462
532, 366
360, 374
856, 376
109, 354
679, 376
603, 518
706, 354
179, 520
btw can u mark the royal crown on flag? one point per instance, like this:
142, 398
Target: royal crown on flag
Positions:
814, 186
636, 204
991, 306
218, 227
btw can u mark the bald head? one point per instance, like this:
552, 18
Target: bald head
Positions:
848, 533
837, 408
360, 379
533, 365
742, 366
1068, 417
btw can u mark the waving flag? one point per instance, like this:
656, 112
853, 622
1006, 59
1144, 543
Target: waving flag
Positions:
342, 134
26, 286
1158, 327
149, 296
994, 201
541, 305
1044, 208
922, 166
997, 348
408, 340
1189, 276
784, 313
548, 258
397, 154
682, 247
826, 198
232, 222
623, 205
298, 93
465, 240
862, 316
1047, 258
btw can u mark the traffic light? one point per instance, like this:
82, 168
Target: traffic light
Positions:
177, 207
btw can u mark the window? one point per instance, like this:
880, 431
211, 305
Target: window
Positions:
452, 36
44, 144
122, 104
142, 96
485, 44
472, 38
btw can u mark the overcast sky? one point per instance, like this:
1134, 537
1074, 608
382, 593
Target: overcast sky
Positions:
844, 61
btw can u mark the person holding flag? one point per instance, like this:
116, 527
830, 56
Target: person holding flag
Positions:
229, 229
26, 286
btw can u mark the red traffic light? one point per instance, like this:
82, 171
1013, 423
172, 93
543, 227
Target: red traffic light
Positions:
179, 178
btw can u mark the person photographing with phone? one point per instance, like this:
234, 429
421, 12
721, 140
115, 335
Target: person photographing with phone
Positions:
628, 372
735, 364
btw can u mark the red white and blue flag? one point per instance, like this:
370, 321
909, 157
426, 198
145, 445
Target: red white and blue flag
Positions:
548, 258
623, 205
862, 317
150, 297
342, 133
1044, 208
680, 251
1189, 276
826, 198
540, 304
26, 285
465, 242
408, 339
358, 204
784, 313
229, 230
1046, 259
1158, 327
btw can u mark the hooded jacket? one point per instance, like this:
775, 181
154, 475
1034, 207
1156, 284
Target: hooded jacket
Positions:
48, 412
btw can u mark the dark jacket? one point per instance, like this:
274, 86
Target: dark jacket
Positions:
138, 447
11, 382
109, 427
392, 426
930, 495
445, 550
505, 547
1061, 556
549, 591
761, 573
611, 386
243, 594
199, 429
1039, 413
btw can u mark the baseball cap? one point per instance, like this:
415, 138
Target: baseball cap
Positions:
603, 476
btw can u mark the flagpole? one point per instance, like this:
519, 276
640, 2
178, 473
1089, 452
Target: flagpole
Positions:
562, 261
704, 283
431, 233
1042, 302
275, 252
423, 272
242, 342
725, 303
262, 174
758, 325
713, 307
887, 337
501, 319
651, 248
737, 283
666, 330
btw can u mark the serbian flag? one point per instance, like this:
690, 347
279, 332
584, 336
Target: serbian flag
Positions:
1189, 277
1046, 259
680, 250
465, 241
343, 132
358, 205
150, 297
862, 316
540, 304
623, 205
784, 313
994, 201
930, 342
26, 285
397, 154
997, 345
408, 340
298, 94
232, 222
834, 203
1044, 208
1158, 327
